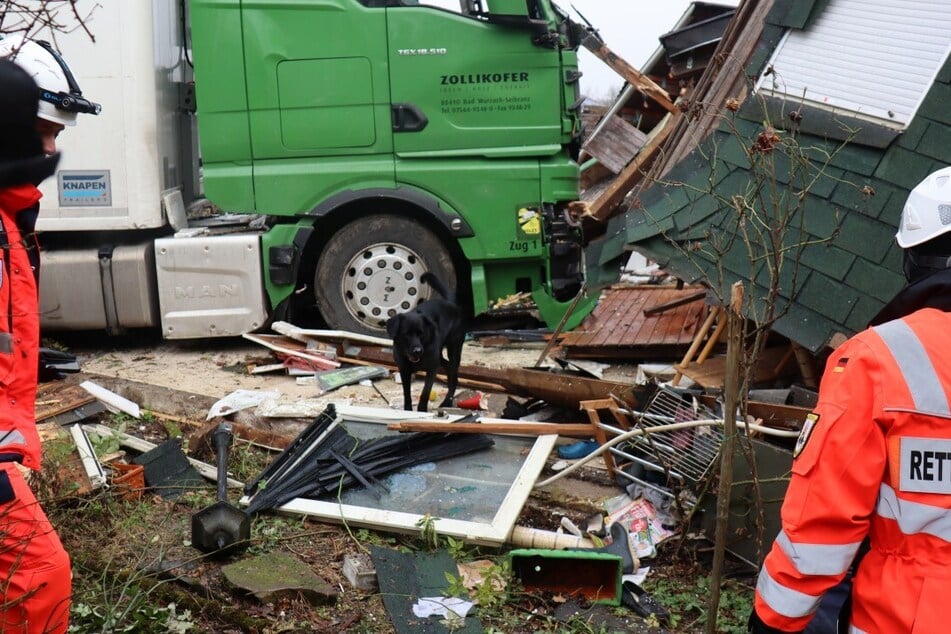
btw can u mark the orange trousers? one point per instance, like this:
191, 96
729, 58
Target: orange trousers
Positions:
35, 573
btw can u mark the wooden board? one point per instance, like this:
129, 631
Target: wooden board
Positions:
616, 143
566, 390
287, 346
709, 374
618, 328
57, 398
69, 466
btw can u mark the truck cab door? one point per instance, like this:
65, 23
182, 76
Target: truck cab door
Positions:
462, 86
318, 99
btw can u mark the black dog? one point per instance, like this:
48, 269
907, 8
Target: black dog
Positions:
419, 337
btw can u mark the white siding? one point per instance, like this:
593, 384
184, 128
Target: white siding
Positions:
876, 58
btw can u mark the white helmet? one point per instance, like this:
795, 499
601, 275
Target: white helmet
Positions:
60, 96
927, 212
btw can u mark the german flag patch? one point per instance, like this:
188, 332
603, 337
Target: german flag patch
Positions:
840, 365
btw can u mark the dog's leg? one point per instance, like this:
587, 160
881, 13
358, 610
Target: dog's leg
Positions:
454, 358
427, 390
406, 378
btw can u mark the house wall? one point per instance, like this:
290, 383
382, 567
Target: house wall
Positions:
845, 207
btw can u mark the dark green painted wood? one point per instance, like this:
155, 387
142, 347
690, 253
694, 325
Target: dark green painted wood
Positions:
794, 14
865, 196
866, 238
863, 311
641, 225
855, 158
827, 258
827, 296
935, 143
944, 75
935, 105
764, 50
875, 280
812, 330
913, 134
904, 168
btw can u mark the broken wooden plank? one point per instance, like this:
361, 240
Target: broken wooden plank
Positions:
474, 377
702, 332
291, 347
78, 414
628, 72
304, 335
556, 335
176, 419
674, 303
566, 390
577, 430
616, 143
53, 399
602, 208
710, 374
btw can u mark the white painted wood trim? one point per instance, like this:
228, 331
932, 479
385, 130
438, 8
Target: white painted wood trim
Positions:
874, 59
495, 533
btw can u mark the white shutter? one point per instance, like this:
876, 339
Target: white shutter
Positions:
874, 58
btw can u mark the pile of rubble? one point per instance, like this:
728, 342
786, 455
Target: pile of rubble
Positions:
471, 468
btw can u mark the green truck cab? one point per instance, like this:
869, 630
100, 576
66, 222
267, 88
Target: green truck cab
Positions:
384, 138
309, 160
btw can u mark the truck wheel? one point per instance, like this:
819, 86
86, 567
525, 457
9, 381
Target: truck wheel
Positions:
370, 270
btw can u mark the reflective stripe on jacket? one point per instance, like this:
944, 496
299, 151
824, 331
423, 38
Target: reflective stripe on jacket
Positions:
876, 462
19, 331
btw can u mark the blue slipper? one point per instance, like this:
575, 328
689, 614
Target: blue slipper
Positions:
577, 450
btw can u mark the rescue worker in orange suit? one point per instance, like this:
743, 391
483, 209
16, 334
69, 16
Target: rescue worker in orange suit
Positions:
873, 461
35, 573
34, 567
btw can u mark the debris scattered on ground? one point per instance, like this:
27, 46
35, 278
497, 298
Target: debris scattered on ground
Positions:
239, 400
111, 399
578, 406
275, 576
407, 578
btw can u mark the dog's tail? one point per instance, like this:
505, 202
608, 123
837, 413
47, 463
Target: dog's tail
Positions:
433, 281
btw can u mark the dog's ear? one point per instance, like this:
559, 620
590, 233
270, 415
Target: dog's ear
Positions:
393, 325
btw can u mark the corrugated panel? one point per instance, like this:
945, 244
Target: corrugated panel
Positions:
873, 57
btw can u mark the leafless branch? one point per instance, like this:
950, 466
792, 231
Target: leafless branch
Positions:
45, 19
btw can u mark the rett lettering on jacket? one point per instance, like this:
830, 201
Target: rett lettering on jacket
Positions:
926, 465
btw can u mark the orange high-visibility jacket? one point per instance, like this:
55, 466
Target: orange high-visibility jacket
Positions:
874, 460
19, 332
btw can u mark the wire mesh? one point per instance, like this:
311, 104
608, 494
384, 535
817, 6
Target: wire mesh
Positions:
685, 454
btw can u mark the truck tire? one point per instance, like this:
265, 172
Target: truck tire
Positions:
370, 270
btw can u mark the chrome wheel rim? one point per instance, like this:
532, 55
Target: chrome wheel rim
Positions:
382, 280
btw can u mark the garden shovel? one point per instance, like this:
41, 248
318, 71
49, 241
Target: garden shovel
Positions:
221, 528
